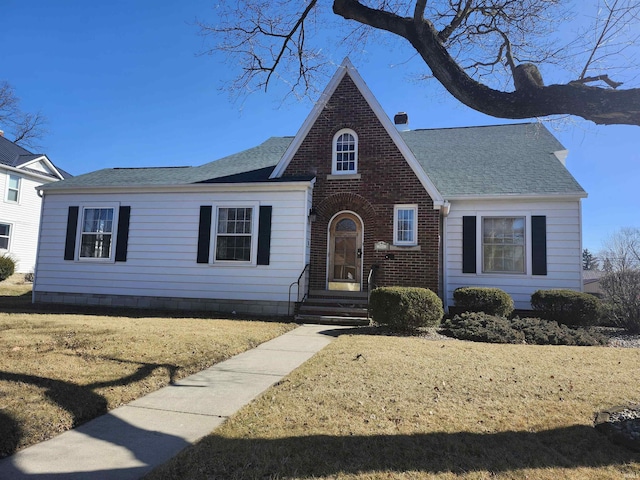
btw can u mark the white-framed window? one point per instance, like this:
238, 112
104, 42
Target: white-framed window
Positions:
5, 236
405, 225
345, 152
96, 233
235, 234
13, 188
503, 244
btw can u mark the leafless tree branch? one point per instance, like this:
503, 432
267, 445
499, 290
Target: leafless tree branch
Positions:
471, 47
26, 128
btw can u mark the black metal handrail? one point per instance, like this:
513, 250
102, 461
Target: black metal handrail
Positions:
297, 282
371, 284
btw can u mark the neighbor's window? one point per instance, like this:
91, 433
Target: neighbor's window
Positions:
5, 231
97, 233
13, 188
503, 248
405, 225
345, 152
233, 234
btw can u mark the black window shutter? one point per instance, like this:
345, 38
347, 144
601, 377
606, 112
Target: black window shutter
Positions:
538, 245
72, 228
122, 241
204, 234
264, 235
469, 244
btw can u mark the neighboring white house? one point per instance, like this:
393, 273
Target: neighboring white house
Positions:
350, 202
21, 172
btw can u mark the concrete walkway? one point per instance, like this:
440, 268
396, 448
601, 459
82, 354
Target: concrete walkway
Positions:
130, 441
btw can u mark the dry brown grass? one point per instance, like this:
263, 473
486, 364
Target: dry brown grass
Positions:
395, 408
58, 370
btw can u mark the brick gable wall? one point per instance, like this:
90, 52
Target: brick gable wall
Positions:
386, 180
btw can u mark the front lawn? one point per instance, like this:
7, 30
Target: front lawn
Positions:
58, 370
373, 406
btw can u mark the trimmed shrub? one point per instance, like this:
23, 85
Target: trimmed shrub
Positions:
492, 301
7, 266
480, 327
405, 308
566, 306
29, 277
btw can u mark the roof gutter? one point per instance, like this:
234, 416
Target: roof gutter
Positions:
194, 187
517, 196
443, 206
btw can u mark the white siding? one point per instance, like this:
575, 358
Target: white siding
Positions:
162, 248
564, 252
40, 166
24, 218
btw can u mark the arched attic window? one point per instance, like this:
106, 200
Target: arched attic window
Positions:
345, 152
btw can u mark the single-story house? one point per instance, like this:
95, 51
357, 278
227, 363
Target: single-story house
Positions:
21, 171
351, 200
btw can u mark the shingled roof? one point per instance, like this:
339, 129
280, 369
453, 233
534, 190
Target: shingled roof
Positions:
13, 155
255, 163
462, 162
515, 159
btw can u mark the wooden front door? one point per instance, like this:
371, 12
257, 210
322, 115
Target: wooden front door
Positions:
345, 253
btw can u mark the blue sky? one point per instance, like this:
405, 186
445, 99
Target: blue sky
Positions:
122, 84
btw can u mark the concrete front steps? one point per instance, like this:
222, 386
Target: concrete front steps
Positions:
331, 307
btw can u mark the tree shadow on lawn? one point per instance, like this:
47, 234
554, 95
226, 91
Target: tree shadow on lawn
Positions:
81, 401
463, 452
371, 330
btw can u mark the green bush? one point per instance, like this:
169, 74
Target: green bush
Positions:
566, 306
405, 308
7, 266
480, 327
544, 332
492, 301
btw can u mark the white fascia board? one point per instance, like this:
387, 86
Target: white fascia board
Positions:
438, 200
347, 67
197, 188
47, 162
311, 119
516, 196
31, 174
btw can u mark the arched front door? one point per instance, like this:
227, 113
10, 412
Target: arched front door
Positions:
345, 253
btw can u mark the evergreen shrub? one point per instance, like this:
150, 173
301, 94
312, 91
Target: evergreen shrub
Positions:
492, 301
405, 308
567, 307
7, 266
480, 327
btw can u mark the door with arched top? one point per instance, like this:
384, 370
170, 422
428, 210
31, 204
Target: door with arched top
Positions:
345, 252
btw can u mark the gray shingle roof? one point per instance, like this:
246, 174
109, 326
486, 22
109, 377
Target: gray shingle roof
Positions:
14, 155
493, 160
474, 161
259, 161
